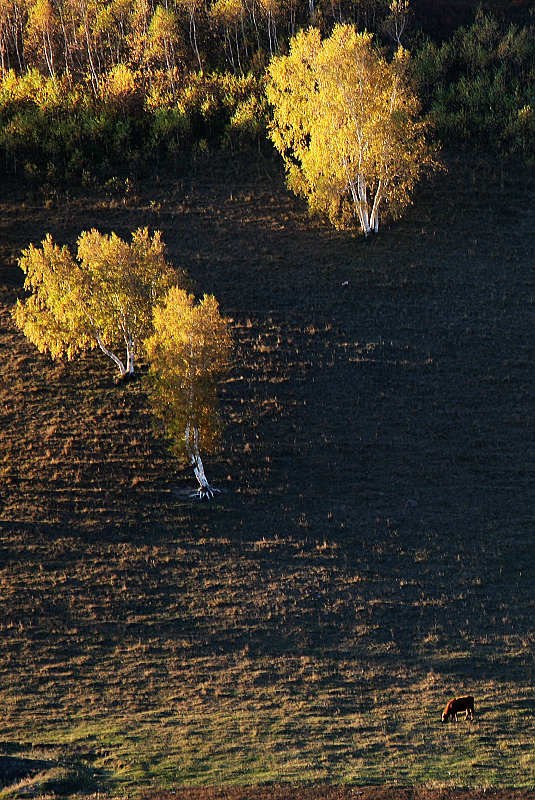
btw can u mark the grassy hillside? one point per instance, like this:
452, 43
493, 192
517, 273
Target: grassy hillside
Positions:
372, 552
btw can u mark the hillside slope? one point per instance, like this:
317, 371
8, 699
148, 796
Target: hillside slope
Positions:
372, 552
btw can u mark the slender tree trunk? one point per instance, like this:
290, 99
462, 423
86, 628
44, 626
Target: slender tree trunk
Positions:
359, 195
228, 49
3, 54
274, 29
130, 353
93, 71
193, 37
253, 17
292, 20
65, 41
374, 217
205, 491
47, 49
237, 48
269, 35
375, 220
114, 358
363, 203
18, 33
167, 59
244, 37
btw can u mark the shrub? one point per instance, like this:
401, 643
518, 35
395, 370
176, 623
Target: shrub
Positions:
136, 118
480, 86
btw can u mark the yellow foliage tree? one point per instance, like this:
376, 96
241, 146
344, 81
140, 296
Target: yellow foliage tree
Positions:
163, 36
121, 88
103, 298
41, 31
188, 352
192, 7
346, 123
229, 14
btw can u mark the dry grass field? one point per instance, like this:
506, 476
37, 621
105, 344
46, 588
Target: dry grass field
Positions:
372, 552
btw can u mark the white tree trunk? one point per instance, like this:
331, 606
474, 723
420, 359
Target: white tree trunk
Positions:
130, 353
369, 222
205, 491
356, 203
374, 217
363, 204
193, 37
49, 56
359, 195
114, 358
93, 71
375, 220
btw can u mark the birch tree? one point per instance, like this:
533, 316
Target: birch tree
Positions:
188, 353
41, 31
12, 18
163, 37
270, 9
229, 15
192, 7
346, 123
102, 298
397, 21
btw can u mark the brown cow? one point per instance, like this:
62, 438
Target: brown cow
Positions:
456, 706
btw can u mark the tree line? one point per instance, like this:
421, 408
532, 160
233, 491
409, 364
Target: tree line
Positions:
88, 38
98, 90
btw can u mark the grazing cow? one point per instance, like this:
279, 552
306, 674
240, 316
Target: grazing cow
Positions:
456, 706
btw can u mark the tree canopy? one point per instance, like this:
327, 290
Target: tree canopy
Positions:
189, 351
347, 125
102, 298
